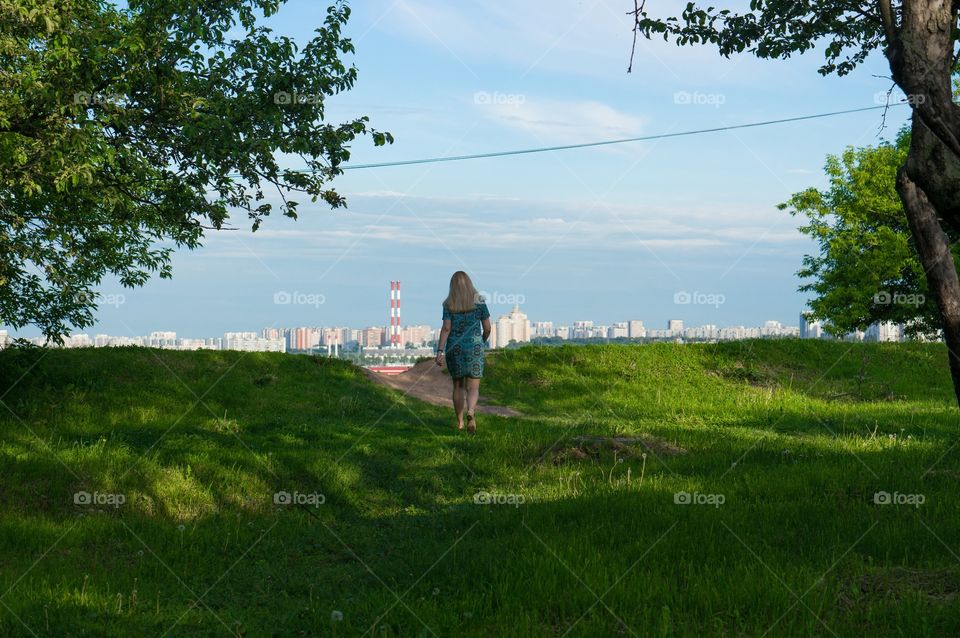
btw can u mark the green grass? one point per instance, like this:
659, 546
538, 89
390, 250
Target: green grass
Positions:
795, 437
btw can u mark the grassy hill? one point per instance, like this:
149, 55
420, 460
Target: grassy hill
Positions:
780, 447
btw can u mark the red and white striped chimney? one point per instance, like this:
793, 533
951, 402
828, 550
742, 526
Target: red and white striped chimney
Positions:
399, 345
393, 309
394, 314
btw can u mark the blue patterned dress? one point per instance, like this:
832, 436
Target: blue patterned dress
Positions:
464, 349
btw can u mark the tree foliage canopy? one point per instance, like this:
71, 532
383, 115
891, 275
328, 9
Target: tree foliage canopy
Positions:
776, 29
867, 270
126, 131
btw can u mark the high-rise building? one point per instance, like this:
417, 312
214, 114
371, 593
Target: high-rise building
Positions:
162, 339
771, 329
272, 333
304, 338
810, 329
883, 332
675, 325
618, 330
245, 341
708, 331
371, 338
582, 330
635, 329
543, 329
417, 335
512, 327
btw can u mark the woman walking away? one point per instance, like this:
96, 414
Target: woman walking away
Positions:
466, 325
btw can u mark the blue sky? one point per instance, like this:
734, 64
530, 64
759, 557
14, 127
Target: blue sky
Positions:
608, 234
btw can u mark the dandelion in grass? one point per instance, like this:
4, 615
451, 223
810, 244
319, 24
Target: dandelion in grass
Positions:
336, 615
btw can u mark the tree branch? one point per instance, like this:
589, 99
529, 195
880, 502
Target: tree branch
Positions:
637, 9
889, 24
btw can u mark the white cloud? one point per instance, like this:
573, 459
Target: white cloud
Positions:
565, 121
377, 225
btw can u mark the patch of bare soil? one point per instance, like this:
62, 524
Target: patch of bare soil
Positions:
428, 382
595, 447
896, 583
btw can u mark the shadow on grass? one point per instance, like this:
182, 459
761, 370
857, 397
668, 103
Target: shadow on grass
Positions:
400, 544
596, 562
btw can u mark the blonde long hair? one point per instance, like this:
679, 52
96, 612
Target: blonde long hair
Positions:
463, 296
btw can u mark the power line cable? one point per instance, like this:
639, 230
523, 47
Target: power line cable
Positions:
564, 147
643, 138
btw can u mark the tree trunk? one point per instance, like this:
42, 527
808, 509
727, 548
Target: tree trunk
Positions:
920, 51
934, 250
921, 60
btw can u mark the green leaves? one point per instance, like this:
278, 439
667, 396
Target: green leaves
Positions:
380, 139
777, 29
867, 269
123, 127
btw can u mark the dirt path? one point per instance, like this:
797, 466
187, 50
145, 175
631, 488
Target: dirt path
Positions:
428, 382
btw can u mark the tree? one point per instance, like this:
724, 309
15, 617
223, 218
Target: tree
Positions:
127, 131
868, 270
919, 39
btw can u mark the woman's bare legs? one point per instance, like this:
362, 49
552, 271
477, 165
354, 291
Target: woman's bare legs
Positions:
458, 401
473, 394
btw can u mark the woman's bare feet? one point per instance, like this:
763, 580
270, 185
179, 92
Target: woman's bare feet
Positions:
459, 424
471, 424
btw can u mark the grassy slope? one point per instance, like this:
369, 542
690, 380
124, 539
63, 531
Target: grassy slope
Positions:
796, 436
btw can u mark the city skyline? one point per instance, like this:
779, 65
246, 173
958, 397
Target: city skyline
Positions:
509, 328
298, 307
